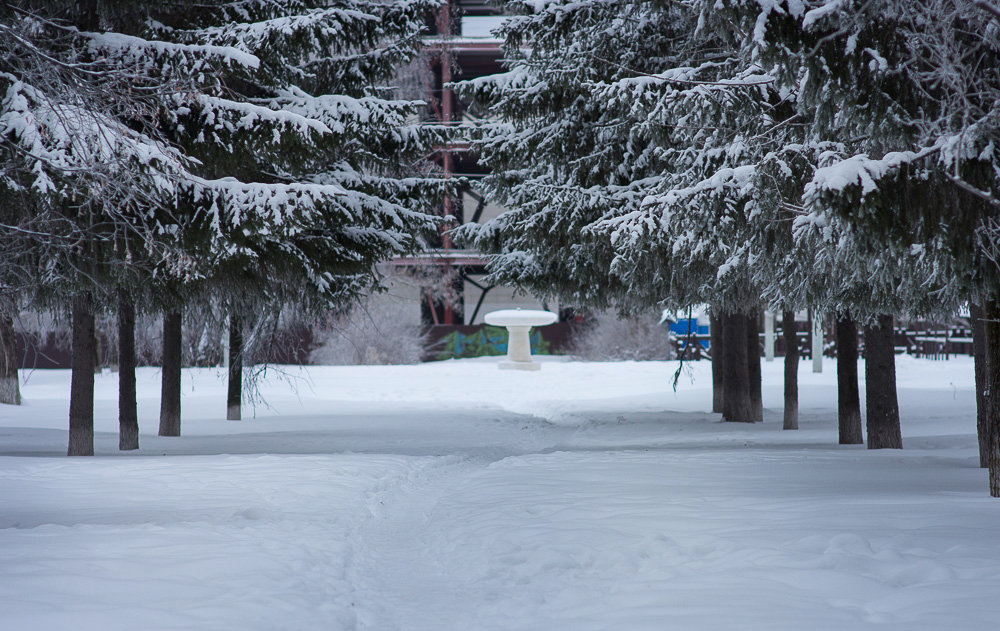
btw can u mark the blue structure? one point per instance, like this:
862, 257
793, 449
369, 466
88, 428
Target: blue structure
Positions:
683, 327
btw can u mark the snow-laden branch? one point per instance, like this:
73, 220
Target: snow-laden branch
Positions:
295, 206
727, 180
860, 170
251, 114
62, 136
821, 12
335, 110
686, 76
254, 35
133, 48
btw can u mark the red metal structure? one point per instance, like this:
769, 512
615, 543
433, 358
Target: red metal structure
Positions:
460, 48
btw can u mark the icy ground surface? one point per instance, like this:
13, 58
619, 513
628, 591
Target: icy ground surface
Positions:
454, 496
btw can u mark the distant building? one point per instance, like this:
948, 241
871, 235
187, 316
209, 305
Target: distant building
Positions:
447, 282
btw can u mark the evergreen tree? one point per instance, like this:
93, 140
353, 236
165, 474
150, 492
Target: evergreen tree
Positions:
347, 193
622, 157
239, 149
86, 179
563, 158
913, 88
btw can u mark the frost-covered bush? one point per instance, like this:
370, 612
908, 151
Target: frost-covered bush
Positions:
375, 331
611, 338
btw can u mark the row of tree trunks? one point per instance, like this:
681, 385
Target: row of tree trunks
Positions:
10, 391
81, 416
882, 409
791, 337
743, 403
848, 393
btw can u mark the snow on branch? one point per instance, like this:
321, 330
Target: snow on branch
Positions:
688, 75
251, 114
61, 136
821, 12
725, 180
334, 109
252, 36
860, 170
294, 206
135, 48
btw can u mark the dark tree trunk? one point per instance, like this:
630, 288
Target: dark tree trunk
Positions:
718, 359
736, 379
882, 407
979, 355
98, 365
848, 395
128, 418
81, 394
10, 390
791, 370
235, 394
753, 366
170, 398
991, 320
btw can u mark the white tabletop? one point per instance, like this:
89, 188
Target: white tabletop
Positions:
520, 317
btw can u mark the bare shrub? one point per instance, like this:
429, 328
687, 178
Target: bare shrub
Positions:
372, 332
612, 338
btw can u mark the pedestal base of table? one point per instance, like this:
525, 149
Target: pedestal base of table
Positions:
519, 366
518, 324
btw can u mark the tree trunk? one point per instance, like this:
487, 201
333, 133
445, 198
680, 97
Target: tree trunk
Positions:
128, 418
882, 408
81, 393
753, 366
10, 389
979, 355
170, 398
991, 320
98, 365
235, 395
718, 359
848, 395
736, 405
791, 370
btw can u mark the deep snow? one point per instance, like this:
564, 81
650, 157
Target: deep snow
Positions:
456, 496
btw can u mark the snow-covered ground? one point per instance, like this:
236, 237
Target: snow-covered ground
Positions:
453, 496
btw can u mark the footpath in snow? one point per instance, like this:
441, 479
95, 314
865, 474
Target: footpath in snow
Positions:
454, 496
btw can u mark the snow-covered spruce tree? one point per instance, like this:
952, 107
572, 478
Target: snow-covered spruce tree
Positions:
738, 150
753, 164
311, 217
916, 84
86, 180
560, 159
335, 161
603, 107
712, 211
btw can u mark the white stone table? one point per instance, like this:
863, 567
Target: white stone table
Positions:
519, 323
